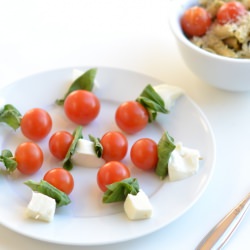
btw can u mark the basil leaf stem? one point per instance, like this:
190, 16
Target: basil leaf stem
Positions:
97, 145
165, 147
46, 188
77, 134
84, 82
11, 116
118, 191
152, 101
8, 160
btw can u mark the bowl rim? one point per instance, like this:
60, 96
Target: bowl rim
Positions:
174, 23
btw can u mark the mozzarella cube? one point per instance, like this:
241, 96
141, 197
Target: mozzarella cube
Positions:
138, 206
41, 207
183, 162
168, 93
85, 155
76, 73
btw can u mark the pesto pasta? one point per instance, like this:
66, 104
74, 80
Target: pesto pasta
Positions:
231, 39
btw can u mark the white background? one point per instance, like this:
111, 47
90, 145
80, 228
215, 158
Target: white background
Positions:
132, 34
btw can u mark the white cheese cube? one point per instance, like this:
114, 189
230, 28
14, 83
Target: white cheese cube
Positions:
76, 73
168, 93
85, 155
183, 162
41, 207
138, 206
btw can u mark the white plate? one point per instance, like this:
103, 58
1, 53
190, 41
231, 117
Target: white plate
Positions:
86, 221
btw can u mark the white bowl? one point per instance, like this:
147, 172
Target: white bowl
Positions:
222, 72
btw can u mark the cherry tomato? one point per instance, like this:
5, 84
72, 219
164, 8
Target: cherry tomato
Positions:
144, 154
59, 144
61, 179
195, 21
131, 117
36, 124
230, 12
29, 157
81, 107
111, 172
115, 146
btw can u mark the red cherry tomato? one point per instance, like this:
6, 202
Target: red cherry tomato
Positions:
131, 117
115, 146
81, 107
59, 144
61, 179
195, 21
36, 124
111, 172
29, 157
144, 154
230, 12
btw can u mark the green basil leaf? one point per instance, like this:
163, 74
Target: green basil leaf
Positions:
11, 116
84, 82
8, 160
152, 101
46, 188
118, 191
10, 164
165, 148
68, 165
97, 145
7, 153
150, 106
77, 134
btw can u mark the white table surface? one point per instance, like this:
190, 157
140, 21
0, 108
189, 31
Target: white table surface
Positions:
132, 34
